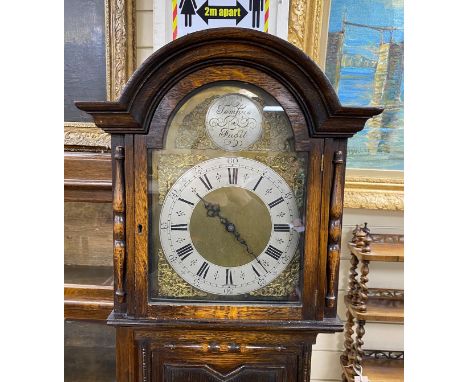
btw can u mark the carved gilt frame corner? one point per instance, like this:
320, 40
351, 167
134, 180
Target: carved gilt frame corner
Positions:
308, 26
374, 189
120, 26
368, 189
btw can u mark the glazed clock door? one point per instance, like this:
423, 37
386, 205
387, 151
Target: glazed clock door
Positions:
226, 198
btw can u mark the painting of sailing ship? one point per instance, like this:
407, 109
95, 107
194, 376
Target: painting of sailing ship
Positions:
364, 63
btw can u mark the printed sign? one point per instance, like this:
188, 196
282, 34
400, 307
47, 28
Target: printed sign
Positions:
193, 15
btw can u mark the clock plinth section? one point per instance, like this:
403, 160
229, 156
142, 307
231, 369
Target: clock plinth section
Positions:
247, 213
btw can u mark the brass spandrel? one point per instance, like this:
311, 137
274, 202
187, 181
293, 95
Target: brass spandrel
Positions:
167, 168
285, 284
172, 284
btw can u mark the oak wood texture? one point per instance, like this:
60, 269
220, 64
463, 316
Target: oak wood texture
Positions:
141, 218
88, 257
87, 177
87, 309
380, 252
334, 230
312, 238
97, 292
379, 310
90, 302
127, 141
306, 327
331, 146
118, 206
171, 354
377, 370
87, 234
168, 341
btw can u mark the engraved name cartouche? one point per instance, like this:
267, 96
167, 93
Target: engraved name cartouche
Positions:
234, 122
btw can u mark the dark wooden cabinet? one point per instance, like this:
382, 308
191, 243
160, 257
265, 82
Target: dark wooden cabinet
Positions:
240, 309
202, 355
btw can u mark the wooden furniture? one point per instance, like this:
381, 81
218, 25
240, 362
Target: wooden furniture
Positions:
181, 312
88, 291
370, 304
89, 351
88, 234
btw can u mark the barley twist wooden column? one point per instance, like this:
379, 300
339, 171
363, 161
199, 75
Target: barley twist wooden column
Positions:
348, 335
363, 290
358, 351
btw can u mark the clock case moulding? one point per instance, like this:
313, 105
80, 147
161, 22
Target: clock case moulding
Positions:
321, 127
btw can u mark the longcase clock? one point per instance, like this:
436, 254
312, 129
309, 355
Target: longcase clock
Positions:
229, 153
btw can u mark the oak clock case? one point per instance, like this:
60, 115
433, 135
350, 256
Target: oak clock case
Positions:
226, 200
229, 151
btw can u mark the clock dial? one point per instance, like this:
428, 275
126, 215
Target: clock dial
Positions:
226, 226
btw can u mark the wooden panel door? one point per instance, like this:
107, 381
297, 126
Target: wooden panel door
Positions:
192, 364
187, 355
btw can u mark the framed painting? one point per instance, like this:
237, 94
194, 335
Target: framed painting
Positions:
99, 57
360, 46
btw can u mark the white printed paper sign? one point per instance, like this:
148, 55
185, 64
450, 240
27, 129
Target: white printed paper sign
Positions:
193, 15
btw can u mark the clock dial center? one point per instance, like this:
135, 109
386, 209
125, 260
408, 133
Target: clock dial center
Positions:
237, 232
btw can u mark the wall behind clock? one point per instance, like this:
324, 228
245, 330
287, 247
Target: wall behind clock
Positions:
326, 353
144, 30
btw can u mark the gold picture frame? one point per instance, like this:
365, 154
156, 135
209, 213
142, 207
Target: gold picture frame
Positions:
120, 63
368, 189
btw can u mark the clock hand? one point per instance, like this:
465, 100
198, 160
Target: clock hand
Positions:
230, 227
213, 210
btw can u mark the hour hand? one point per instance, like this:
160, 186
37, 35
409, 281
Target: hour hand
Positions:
212, 209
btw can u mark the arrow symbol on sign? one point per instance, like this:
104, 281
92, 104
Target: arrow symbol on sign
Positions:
221, 12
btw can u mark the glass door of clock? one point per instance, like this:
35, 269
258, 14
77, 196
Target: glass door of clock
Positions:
226, 200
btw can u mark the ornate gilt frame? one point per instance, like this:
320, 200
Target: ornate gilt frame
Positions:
370, 189
120, 64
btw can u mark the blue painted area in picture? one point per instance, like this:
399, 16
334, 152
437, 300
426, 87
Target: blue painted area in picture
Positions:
364, 63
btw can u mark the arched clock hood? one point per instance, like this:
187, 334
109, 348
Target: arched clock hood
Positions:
323, 112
